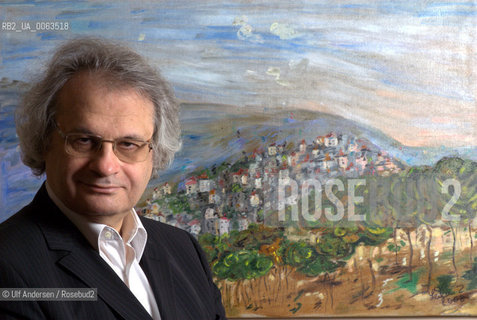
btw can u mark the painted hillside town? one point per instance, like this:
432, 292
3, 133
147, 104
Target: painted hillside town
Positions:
229, 197
413, 254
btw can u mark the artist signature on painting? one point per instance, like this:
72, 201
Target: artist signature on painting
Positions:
446, 298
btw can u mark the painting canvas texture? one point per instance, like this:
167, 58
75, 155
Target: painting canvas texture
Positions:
328, 165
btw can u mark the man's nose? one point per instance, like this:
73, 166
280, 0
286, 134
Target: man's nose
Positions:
105, 162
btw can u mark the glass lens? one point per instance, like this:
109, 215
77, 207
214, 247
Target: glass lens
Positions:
131, 150
82, 144
127, 150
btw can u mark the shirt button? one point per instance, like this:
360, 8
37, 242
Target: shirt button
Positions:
108, 235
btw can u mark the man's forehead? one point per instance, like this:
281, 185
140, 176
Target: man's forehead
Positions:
84, 86
87, 100
100, 80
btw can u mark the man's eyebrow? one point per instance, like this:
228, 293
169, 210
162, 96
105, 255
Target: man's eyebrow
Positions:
88, 131
82, 130
133, 137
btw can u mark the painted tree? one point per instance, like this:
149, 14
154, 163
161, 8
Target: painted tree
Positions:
457, 178
397, 204
240, 266
416, 203
228, 254
427, 215
372, 234
466, 204
310, 261
376, 228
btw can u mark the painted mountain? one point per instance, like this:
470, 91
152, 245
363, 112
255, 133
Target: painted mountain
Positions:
211, 134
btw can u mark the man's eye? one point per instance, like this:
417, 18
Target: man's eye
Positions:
83, 143
84, 140
128, 145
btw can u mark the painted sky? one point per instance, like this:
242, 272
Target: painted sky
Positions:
407, 68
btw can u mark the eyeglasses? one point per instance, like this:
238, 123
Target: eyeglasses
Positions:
83, 145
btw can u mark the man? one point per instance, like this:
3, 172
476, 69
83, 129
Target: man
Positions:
99, 123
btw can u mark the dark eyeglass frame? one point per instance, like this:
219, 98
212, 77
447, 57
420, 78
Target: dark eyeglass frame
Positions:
99, 144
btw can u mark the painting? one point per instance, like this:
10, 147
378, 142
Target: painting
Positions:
328, 166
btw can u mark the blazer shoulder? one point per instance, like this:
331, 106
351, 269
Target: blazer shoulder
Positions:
23, 224
22, 245
19, 227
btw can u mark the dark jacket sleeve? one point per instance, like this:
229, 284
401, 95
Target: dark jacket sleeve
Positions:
9, 278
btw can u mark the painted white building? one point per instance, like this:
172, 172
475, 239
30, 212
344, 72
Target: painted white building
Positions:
254, 200
331, 140
155, 193
213, 196
272, 150
204, 185
191, 186
302, 146
155, 208
195, 227
243, 224
258, 181
224, 225
209, 213
343, 161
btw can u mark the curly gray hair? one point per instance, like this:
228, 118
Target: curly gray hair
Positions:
34, 117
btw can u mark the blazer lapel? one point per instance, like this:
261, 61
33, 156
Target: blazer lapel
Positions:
97, 274
77, 256
158, 271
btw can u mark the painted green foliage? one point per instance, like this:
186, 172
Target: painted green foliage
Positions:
306, 259
444, 284
471, 275
243, 264
396, 248
254, 252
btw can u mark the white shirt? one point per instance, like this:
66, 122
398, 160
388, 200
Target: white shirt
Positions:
122, 254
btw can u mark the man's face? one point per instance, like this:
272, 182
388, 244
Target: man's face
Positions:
100, 185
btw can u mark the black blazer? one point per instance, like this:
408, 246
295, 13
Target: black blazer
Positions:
41, 248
